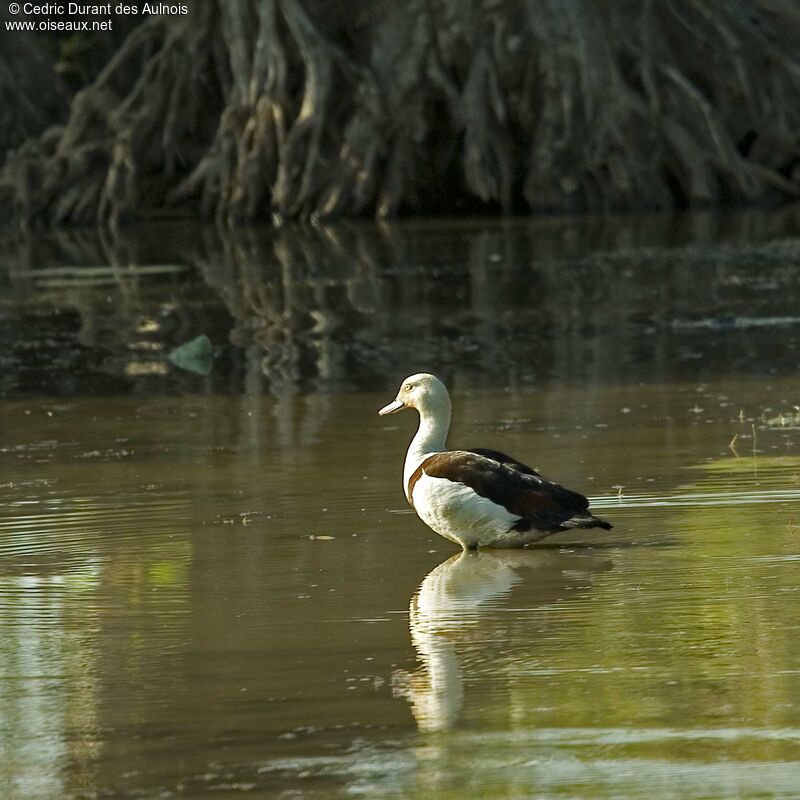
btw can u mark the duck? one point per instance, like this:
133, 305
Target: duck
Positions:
478, 498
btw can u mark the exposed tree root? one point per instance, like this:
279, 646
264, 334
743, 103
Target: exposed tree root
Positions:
302, 108
30, 95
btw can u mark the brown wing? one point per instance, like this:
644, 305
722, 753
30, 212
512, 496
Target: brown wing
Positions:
539, 503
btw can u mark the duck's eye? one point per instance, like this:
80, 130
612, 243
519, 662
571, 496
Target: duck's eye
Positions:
408, 387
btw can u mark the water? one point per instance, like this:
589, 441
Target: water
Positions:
210, 585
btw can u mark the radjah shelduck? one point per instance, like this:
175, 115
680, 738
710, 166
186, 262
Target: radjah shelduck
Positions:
478, 498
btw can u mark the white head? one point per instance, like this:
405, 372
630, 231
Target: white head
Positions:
422, 391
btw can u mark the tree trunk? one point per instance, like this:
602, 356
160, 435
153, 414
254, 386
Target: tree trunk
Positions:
310, 108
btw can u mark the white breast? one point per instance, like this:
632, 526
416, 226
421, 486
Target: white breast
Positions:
460, 514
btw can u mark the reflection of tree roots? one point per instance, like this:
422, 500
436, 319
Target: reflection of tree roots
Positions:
323, 306
291, 296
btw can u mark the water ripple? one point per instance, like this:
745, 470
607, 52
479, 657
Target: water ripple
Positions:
753, 497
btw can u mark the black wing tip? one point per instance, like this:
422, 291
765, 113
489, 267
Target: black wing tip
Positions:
526, 524
588, 522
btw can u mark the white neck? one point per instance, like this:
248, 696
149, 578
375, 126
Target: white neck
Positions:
430, 438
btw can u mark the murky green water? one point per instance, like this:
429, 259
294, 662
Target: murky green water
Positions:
210, 585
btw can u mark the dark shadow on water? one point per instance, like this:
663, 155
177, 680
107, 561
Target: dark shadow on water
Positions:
329, 308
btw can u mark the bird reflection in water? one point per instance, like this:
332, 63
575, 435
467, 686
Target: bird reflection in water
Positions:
454, 632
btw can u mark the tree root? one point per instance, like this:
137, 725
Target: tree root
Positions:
300, 108
31, 96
